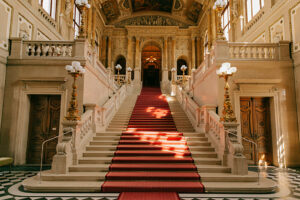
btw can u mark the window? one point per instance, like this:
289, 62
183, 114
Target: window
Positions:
226, 20
76, 20
253, 7
49, 6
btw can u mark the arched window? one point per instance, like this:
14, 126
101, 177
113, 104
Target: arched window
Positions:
121, 60
181, 62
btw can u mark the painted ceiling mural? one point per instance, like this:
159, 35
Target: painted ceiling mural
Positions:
153, 5
182, 13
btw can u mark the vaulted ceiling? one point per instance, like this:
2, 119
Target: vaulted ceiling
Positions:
182, 13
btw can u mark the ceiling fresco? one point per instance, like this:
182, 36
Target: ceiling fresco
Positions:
152, 5
182, 13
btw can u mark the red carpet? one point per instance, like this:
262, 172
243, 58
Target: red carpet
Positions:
149, 196
152, 160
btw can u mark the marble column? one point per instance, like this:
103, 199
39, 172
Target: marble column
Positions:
137, 68
199, 55
109, 59
165, 59
174, 62
193, 64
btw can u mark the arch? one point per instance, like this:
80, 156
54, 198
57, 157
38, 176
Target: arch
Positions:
121, 60
182, 61
151, 64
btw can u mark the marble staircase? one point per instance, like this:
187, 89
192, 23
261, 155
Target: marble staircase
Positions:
89, 174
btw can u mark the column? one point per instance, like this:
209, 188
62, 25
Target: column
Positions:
193, 64
165, 63
174, 62
198, 55
137, 68
109, 61
129, 52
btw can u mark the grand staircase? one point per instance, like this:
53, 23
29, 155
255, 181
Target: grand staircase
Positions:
156, 150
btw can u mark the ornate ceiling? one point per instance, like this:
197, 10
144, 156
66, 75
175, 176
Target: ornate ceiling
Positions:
121, 13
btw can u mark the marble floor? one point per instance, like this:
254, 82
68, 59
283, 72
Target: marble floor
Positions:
11, 189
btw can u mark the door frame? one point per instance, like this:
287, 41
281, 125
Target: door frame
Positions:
27, 88
275, 121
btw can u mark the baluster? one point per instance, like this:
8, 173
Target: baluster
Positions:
69, 50
231, 52
54, 50
263, 53
45, 49
33, 50
50, 52
38, 50
28, 50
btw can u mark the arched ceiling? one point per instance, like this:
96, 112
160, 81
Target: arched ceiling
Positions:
182, 13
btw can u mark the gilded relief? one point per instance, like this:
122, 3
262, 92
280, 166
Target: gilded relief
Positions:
151, 21
110, 9
194, 11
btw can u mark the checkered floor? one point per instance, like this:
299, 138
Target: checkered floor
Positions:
289, 180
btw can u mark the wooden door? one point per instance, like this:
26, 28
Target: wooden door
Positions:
255, 125
43, 124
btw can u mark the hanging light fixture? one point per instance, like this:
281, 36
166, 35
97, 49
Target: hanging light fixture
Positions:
151, 59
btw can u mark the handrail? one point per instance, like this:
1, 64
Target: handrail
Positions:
42, 152
255, 144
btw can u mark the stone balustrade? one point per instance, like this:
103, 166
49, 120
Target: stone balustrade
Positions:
259, 51
122, 78
95, 119
48, 49
205, 119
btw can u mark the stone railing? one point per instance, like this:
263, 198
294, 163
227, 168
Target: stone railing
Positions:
122, 78
48, 49
71, 146
180, 77
253, 51
204, 119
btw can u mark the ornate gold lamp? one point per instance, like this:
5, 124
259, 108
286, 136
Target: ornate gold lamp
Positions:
129, 70
118, 68
226, 71
219, 7
83, 5
74, 70
183, 69
173, 70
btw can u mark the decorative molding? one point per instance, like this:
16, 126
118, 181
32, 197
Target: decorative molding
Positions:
151, 20
41, 36
6, 11
295, 27
277, 32
24, 28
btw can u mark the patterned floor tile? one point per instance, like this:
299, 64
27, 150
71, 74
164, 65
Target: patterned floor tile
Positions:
8, 179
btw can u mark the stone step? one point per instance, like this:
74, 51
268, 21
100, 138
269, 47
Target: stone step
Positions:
84, 168
98, 154
95, 161
34, 185
104, 142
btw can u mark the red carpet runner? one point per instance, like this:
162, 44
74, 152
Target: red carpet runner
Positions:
152, 156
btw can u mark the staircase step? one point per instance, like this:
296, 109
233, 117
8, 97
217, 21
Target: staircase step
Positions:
98, 153
152, 159
152, 167
169, 176
153, 186
75, 176
91, 160
90, 168
152, 153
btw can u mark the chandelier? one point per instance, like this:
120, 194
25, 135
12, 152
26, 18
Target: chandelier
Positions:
151, 59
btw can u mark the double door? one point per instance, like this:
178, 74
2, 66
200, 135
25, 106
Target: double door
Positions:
43, 124
256, 126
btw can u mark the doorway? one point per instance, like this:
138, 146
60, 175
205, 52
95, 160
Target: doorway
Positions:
44, 123
151, 66
256, 126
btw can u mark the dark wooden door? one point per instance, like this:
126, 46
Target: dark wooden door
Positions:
43, 124
255, 124
151, 76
